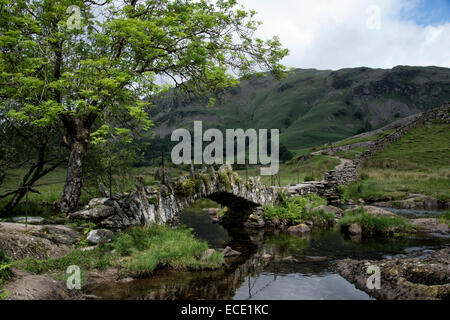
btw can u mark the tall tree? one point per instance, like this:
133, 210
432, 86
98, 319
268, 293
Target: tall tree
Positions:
79, 61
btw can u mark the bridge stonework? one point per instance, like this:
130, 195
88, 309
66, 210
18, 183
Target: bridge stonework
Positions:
161, 204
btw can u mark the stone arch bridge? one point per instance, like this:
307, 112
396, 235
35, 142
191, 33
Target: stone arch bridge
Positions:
162, 204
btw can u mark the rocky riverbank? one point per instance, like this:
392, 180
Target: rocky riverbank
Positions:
416, 277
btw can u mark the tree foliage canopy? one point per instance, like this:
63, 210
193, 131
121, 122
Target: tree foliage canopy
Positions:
75, 66
51, 67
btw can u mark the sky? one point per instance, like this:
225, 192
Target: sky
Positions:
335, 34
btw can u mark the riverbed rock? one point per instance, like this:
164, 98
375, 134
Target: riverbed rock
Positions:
354, 229
39, 241
300, 229
430, 225
100, 236
228, 252
406, 279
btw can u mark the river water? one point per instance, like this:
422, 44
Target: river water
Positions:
299, 268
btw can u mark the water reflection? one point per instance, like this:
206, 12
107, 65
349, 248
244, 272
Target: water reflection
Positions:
273, 265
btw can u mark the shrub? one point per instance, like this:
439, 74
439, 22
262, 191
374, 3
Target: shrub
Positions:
374, 224
151, 247
297, 210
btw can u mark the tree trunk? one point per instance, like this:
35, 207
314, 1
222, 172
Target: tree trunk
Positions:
79, 132
74, 179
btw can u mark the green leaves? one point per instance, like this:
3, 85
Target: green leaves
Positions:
109, 64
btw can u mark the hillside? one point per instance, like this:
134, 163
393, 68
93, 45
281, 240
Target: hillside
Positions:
416, 163
311, 107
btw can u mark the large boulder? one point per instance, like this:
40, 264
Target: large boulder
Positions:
41, 241
100, 236
299, 229
228, 252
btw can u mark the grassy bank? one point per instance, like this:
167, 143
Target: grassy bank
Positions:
374, 224
417, 163
135, 252
297, 210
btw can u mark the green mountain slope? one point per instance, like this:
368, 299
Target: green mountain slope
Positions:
312, 107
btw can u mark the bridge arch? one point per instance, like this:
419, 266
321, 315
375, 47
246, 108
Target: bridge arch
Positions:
163, 203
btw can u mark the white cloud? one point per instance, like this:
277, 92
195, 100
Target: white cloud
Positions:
334, 34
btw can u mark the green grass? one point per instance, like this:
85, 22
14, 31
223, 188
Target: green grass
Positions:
296, 210
137, 252
417, 163
374, 224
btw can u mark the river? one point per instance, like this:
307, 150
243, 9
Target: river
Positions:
299, 268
